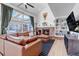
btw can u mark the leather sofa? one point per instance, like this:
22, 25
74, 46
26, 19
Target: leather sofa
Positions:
10, 47
31, 49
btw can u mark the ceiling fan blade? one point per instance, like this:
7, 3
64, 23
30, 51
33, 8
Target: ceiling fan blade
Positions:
30, 5
25, 6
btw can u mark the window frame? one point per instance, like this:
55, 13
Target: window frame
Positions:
21, 22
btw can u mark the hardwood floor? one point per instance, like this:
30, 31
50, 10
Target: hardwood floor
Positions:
58, 48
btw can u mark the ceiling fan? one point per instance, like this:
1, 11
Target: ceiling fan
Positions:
26, 5
29, 5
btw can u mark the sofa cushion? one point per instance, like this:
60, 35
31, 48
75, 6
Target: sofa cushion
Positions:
16, 40
31, 39
21, 41
22, 34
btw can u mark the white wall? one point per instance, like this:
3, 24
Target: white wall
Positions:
50, 18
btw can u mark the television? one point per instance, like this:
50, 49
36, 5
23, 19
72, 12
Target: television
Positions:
71, 22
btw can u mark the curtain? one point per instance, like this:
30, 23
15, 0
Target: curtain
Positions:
32, 21
6, 17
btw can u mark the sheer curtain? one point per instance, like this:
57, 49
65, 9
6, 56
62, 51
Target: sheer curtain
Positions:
6, 13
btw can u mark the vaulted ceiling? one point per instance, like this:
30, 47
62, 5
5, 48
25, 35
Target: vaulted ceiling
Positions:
58, 9
37, 7
61, 9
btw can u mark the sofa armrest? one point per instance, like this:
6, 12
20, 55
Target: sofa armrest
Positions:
12, 49
33, 48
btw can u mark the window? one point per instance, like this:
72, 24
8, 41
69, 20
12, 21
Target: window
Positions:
25, 27
14, 13
14, 27
26, 18
20, 17
19, 23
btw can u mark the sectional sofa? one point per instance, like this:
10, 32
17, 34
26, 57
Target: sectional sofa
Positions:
9, 46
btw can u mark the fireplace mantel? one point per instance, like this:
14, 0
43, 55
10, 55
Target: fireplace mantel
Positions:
41, 30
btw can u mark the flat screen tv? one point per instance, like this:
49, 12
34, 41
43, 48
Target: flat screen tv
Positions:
71, 22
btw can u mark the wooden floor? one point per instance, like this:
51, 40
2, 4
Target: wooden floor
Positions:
58, 49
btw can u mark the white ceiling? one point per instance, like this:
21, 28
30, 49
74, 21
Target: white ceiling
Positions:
37, 7
58, 9
61, 9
